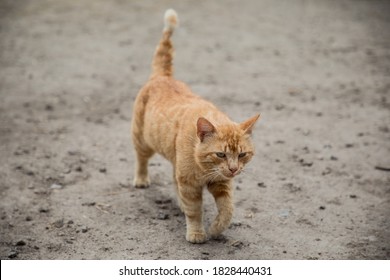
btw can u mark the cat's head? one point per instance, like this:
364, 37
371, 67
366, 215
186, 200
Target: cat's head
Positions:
223, 151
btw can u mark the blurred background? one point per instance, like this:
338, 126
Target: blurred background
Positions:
317, 71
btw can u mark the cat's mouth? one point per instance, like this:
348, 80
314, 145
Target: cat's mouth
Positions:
231, 175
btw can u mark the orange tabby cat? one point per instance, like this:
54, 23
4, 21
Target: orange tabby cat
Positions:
205, 147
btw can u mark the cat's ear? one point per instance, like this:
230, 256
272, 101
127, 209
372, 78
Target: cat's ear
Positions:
204, 128
248, 125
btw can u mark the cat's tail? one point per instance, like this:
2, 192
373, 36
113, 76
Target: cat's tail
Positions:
163, 57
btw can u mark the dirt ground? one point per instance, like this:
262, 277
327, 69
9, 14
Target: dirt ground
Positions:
317, 71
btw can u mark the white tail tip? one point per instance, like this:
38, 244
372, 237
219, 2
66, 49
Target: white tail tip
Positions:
170, 20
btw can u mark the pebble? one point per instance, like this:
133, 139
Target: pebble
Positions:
88, 204
261, 185
326, 171
59, 223
43, 210
12, 254
29, 218
56, 186
237, 244
84, 229
162, 216
66, 171
284, 213
102, 170
292, 188
322, 207
163, 201
20, 243
305, 163
235, 224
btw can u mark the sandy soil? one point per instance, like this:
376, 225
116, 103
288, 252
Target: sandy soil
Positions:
317, 71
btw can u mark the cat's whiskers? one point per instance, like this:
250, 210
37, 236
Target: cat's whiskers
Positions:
211, 175
250, 174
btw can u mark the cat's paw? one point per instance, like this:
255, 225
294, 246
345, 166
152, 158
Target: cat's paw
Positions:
216, 229
196, 237
141, 183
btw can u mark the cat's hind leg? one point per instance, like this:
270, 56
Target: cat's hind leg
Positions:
222, 193
141, 176
143, 154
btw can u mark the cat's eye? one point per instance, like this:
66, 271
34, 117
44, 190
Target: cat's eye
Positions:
221, 155
242, 155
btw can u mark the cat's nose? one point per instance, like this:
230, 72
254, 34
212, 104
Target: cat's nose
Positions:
233, 169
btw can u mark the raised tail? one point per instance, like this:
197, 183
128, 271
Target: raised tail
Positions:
163, 57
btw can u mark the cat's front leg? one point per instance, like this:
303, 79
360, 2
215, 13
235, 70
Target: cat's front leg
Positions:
191, 204
222, 193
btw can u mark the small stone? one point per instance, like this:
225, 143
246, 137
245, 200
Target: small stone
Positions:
292, 188
284, 213
56, 186
261, 185
333, 158
43, 210
102, 170
13, 255
326, 171
305, 163
20, 243
29, 218
59, 223
237, 244
322, 207
88, 204
84, 229
235, 224
73, 152
353, 196
349, 145
163, 201
83, 159
79, 169
162, 216
67, 171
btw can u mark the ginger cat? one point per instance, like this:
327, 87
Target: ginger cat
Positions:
205, 147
